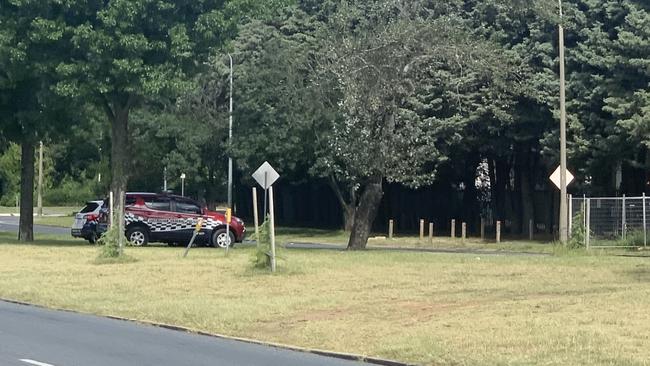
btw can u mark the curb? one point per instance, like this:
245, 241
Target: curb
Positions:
319, 352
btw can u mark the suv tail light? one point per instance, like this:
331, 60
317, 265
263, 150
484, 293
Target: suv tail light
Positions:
92, 217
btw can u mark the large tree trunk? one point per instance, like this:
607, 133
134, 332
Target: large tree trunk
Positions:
26, 224
349, 212
348, 208
365, 214
119, 117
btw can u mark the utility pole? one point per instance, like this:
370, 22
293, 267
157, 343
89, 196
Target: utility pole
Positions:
230, 140
564, 217
39, 199
165, 179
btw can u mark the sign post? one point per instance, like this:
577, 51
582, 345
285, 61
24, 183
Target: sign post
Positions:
265, 176
558, 178
228, 218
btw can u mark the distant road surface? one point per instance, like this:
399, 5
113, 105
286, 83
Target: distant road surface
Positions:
10, 224
35, 336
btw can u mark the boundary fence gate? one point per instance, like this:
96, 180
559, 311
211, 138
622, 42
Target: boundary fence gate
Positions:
610, 222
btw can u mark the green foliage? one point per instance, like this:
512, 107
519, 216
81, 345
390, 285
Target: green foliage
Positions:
109, 243
261, 258
73, 193
578, 231
633, 239
9, 175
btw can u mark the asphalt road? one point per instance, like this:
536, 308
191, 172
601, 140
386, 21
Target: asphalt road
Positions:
10, 224
35, 336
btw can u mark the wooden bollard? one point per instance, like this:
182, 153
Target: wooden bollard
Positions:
498, 231
421, 229
453, 228
464, 231
390, 229
431, 232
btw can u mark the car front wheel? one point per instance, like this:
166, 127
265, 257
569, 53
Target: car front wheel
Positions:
138, 236
222, 239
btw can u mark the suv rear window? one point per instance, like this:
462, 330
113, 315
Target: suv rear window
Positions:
90, 207
158, 203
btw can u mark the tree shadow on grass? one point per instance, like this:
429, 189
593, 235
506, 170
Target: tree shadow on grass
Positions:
7, 238
641, 273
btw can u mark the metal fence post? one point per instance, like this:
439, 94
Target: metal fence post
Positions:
588, 226
623, 219
570, 215
645, 233
583, 209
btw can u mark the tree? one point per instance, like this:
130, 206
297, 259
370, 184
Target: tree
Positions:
124, 53
405, 73
609, 84
29, 110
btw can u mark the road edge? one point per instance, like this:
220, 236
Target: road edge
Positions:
315, 351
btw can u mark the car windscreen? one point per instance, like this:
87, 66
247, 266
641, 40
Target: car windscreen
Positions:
90, 207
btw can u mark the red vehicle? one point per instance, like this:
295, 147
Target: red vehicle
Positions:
152, 217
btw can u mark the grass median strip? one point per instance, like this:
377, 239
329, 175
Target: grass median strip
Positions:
424, 308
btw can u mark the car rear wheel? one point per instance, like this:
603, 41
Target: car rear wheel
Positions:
92, 238
138, 236
222, 239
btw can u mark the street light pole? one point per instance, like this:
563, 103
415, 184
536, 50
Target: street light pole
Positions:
39, 199
230, 140
564, 236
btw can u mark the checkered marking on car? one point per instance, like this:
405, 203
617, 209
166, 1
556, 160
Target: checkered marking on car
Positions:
163, 225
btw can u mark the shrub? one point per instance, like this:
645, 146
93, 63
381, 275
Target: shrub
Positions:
71, 192
578, 231
109, 243
261, 257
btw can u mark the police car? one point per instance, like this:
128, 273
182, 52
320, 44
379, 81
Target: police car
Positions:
84, 225
166, 218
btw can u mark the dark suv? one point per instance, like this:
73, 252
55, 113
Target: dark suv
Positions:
153, 217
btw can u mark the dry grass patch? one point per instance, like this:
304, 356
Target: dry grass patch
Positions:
302, 235
423, 308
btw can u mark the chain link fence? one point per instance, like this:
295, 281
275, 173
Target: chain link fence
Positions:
610, 222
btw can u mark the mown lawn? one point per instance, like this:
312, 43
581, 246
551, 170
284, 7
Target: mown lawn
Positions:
54, 210
434, 309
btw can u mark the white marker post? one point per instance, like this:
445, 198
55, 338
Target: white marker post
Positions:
272, 231
255, 215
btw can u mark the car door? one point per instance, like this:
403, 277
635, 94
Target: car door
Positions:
160, 218
190, 212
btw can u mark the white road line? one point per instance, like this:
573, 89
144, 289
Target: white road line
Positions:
36, 363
